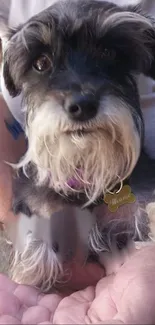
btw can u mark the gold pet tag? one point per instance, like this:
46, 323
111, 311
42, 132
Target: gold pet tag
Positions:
117, 199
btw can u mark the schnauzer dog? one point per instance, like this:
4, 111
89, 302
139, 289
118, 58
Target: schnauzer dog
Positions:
76, 66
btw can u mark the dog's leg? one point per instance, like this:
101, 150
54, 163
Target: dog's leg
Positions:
44, 247
113, 248
114, 236
34, 262
113, 260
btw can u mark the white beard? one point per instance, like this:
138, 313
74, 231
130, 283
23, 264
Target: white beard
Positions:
105, 152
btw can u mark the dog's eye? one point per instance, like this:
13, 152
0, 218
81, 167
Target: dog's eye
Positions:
42, 64
109, 53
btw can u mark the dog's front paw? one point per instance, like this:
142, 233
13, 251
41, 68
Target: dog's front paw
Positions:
113, 260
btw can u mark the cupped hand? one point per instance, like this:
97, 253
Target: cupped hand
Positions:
127, 297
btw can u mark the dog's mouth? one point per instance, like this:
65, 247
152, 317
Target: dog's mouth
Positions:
79, 132
83, 128
75, 184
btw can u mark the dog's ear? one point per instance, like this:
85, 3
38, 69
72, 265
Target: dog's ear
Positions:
9, 69
8, 79
145, 38
133, 35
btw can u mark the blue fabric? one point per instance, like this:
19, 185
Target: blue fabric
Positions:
14, 128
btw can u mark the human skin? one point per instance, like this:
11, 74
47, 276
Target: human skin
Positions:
126, 297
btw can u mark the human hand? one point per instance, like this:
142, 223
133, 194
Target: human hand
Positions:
127, 297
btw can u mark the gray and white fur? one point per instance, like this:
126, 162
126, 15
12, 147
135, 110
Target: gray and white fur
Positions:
76, 66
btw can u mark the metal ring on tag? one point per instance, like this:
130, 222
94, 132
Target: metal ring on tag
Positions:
120, 188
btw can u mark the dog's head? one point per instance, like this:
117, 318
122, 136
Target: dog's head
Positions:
76, 65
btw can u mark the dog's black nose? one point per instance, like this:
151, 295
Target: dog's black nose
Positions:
82, 108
